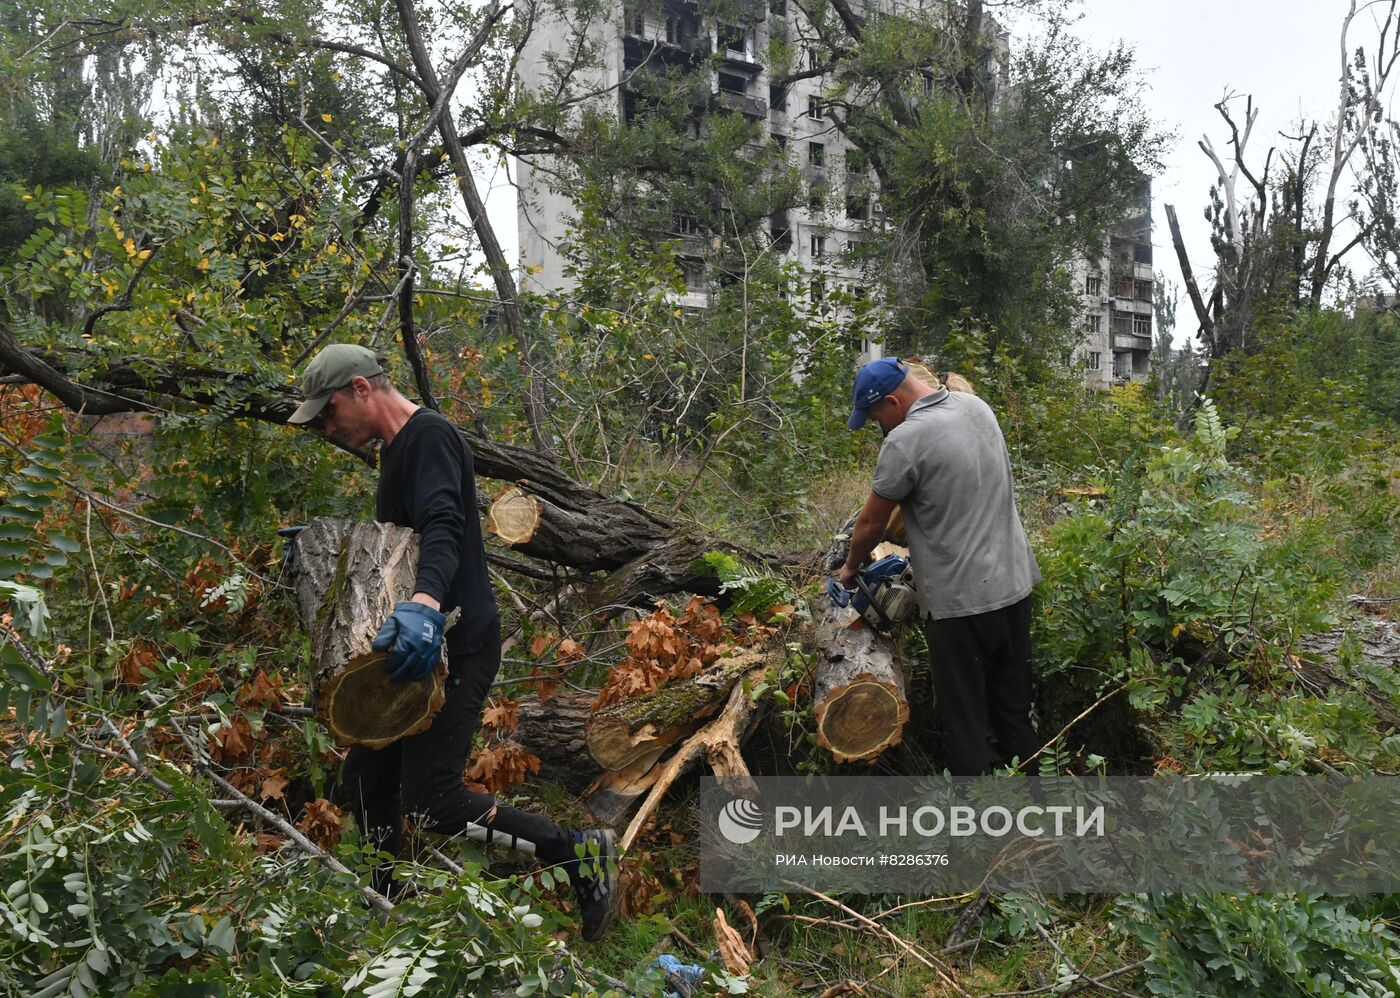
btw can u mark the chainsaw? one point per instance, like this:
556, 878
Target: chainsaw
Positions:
883, 594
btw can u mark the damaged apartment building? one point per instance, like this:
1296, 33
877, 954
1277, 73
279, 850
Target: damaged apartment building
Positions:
841, 203
1116, 287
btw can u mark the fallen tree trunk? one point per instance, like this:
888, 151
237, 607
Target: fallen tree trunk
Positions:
640, 729
349, 576
613, 795
579, 527
553, 730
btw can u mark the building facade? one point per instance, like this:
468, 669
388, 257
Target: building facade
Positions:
1116, 289
841, 204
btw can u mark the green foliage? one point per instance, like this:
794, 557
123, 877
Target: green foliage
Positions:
114, 885
1254, 944
32, 546
1172, 557
748, 589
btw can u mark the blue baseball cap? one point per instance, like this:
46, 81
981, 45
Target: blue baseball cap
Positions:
873, 382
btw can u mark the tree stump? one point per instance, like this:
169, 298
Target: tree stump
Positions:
858, 698
348, 578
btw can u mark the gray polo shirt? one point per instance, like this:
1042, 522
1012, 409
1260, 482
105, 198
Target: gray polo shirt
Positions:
948, 467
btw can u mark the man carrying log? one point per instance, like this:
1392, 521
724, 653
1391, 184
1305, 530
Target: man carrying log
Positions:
944, 462
427, 483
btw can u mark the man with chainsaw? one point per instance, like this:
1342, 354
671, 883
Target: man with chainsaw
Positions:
944, 463
427, 483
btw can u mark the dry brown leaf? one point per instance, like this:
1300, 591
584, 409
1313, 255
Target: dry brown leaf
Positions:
320, 822
541, 643
132, 670
232, 742
570, 650
502, 766
546, 683
262, 692
274, 786
501, 715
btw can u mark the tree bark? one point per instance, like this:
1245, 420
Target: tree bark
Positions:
553, 730
718, 742
348, 578
1193, 290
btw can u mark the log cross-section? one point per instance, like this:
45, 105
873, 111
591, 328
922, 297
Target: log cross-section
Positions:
514, 515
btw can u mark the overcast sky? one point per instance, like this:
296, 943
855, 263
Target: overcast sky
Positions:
1284, 52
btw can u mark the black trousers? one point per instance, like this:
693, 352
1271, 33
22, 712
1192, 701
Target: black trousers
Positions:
981, 669
421, 775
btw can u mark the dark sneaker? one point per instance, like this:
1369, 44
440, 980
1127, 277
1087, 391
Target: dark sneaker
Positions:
595, 879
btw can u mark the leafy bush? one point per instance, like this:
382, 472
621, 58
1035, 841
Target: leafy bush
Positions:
1254, 945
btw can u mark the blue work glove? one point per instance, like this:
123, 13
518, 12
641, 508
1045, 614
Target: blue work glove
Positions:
413, 638
838, 593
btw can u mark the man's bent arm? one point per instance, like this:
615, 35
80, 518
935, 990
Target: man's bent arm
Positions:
869, 531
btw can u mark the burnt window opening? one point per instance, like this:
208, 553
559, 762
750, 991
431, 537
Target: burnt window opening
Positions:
731, 84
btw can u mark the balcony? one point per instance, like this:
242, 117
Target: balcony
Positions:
1131, 341
683, 49
749, 107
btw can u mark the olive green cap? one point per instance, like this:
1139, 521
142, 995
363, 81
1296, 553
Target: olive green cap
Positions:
329, 371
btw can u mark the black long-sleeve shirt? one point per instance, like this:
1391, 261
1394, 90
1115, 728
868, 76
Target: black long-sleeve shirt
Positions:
427, 482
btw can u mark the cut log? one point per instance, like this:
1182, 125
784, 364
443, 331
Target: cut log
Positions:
514, 515
645, 726
348, 578
859, 706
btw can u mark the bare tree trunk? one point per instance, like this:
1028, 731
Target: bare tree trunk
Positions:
535, 396
1193, 290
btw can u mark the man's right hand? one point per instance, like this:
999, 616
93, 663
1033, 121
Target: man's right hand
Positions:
413, 638
846, 576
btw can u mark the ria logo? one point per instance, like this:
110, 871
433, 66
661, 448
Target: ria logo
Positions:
740, 821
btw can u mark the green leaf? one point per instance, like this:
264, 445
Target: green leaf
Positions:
64, 543
21, 514
222, 935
